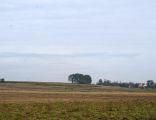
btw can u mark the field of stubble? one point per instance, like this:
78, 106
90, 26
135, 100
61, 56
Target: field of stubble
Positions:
57, 101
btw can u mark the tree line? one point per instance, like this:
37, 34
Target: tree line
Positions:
148, 84
87, 79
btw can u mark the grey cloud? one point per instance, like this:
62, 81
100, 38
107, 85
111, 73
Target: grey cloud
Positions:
81, 55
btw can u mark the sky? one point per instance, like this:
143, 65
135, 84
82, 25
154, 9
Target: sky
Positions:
46, 40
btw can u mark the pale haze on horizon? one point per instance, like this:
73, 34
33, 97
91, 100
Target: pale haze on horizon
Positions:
46, 40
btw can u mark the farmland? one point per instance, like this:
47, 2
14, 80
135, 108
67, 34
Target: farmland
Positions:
62, 101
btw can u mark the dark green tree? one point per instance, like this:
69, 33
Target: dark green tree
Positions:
2, 80
80, 78
100, 82
150, 84
71, 78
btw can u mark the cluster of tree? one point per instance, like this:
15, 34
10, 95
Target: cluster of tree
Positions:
106, 82
2, 80
149, 84
80, 78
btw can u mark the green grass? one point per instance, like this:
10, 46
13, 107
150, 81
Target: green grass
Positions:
132, 110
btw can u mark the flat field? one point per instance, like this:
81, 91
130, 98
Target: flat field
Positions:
60, 101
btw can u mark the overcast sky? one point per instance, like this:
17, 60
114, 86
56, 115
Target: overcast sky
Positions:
46, 40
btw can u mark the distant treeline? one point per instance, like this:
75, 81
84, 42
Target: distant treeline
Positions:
148, 84
87, 79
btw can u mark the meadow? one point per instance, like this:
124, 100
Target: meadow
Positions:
62, 101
